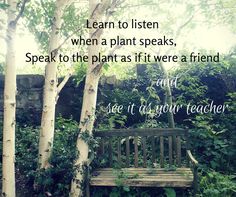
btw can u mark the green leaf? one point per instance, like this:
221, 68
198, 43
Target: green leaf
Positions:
126, 188
106, 66
170, 192
4, 6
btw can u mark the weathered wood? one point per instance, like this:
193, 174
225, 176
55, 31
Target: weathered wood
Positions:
187, 139
148, 177
127, 151
144, 152
154, 170
195, 181
141, 132
162, 152
187, 147
154, 176
87, 184
110, 152
192, 159
88, 190
136, 152
153, 149
181, 177
147, 174
178, 151
102, 146
170, 150
119, 152
142, 182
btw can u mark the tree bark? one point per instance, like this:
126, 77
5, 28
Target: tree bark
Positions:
96, 11
168, 95
8, 158
50, 90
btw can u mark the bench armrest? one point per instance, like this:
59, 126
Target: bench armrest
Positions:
192, 159
195, 172
87, 162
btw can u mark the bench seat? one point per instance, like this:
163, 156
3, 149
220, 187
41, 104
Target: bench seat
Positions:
143, 177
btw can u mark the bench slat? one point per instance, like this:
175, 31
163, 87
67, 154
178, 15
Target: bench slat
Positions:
136, 152
144, 152
162, 152
152, 176
143, 182
178, 151
110, 152
170, 150
181, 177
119, 152
156, 170
127, 151
103, 146
149, 174
141, 132
153, 149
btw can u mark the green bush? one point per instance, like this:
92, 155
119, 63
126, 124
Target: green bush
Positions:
215, 184
213, 139
54, 181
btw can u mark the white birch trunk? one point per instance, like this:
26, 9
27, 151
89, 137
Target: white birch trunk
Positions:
50, 90
8, 159
168, 97
96, 11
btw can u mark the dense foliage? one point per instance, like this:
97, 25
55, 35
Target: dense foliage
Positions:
212, 135
55, 180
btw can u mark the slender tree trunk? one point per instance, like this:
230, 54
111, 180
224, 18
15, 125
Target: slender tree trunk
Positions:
169, 101
168, 95
50, 90
96, 10
8, 159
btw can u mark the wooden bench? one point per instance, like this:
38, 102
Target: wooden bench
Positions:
145, 158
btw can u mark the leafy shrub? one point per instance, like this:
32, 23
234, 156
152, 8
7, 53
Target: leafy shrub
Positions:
27, 138
54, 181
215, 184
213, 139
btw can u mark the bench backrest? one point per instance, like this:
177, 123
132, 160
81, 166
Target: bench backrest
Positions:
159, 146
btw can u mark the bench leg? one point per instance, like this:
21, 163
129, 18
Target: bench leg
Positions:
195, 182
87, 190
87, 180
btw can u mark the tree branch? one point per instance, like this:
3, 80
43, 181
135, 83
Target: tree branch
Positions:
21, 11
180, 28
109, 9
64, 81
98, 68
99, 8
183, 25
65, 40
